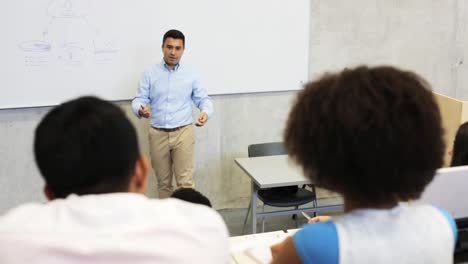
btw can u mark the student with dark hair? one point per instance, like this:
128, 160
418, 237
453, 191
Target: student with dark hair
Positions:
191, 195
460, 147
373, 135
95, 179
165, 95
87, 146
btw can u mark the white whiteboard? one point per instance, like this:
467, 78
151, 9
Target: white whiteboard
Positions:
54, 50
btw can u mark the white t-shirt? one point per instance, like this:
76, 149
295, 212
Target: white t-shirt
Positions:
408, 233
113, 228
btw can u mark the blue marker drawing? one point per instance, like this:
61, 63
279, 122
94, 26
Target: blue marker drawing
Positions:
35, 46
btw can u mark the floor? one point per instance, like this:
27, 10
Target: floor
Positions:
234, 219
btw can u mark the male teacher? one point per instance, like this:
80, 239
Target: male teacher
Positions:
165, 95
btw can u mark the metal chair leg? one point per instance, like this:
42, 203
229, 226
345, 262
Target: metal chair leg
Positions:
315, 201
263, 219
295, 219
315, 205
246, 218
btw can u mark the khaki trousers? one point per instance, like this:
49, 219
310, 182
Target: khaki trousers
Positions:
172, 154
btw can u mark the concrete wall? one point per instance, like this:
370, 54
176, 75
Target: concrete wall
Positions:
427, 36
239, 121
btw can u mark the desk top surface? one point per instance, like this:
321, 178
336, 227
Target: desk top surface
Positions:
272, 171
240, 244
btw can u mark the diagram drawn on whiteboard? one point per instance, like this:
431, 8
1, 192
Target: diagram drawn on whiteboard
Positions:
69, 38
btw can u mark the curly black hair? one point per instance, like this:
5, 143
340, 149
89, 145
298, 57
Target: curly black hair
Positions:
460, 147
372, 134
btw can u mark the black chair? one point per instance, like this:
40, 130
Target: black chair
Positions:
289, 196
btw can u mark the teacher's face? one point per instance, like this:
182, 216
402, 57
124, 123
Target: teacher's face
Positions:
172, 49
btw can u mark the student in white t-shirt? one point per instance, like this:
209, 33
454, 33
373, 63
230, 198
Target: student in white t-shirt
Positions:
87, 152
373, 135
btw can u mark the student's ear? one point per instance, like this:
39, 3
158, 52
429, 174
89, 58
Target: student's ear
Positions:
139, 180
450, 152
48, 193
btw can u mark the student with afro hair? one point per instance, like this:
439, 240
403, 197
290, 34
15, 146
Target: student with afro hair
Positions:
373, 135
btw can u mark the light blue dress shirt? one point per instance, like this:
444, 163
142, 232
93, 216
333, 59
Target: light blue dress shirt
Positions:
170, 94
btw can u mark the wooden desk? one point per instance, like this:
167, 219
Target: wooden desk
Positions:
275, 171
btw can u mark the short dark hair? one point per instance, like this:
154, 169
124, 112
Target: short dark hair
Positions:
175, 34
86, 146
460, 146
371, 134
191, 195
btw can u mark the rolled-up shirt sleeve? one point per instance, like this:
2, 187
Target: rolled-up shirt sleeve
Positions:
142, 96
201, 99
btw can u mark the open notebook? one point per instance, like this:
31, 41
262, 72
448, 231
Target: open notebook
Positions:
255, 248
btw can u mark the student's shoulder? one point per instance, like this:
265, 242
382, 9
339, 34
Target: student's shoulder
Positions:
317, 242
201, 218
198, 213
450, 220
23, 214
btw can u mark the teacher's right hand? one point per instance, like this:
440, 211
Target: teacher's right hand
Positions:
144, 112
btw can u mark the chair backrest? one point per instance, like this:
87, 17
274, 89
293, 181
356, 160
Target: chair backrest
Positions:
267, 149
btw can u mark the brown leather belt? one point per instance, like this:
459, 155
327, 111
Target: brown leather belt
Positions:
169, 129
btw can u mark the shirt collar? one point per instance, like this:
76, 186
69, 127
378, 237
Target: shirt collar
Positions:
163, 63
